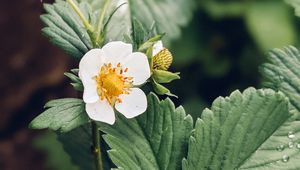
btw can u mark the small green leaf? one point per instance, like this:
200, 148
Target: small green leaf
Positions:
157, 139
162, 76
61, 114
139, 33
235, 126
149, 43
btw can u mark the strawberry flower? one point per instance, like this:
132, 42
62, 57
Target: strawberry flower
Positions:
111, 76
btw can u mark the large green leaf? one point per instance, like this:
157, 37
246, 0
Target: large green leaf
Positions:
234, 127
65, 29
155, 140
282, 72
281, 150
78, 144
61, 114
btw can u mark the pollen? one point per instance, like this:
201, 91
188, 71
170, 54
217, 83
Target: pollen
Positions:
162, 60
111, 83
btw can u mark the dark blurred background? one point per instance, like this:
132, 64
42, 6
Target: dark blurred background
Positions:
219, 51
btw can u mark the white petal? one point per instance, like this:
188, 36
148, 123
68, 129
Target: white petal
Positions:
132, 104
157, 47
138, 67
90, 94
91, 63
101, 111
115, 51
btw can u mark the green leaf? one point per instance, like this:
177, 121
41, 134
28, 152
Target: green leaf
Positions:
157, 139
271, 24
150, 11
76, 82
234, 127
61, 114
57, 158
282, 73
78, 143
281, 150
65, 29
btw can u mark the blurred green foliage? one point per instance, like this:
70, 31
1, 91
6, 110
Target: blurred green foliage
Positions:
224, 44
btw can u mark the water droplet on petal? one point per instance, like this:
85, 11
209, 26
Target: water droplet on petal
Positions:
291, 135
291, 144
285, 158
280, 148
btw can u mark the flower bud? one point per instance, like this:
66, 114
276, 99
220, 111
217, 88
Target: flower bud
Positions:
162, 60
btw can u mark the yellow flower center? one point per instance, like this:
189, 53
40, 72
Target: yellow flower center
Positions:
111, 83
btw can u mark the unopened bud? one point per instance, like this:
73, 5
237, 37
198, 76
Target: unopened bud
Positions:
162, 60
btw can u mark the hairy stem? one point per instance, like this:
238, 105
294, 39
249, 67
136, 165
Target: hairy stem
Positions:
100, 23
96, 146
85, 22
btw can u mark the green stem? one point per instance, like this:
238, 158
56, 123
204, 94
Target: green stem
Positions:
100, 23
96, 146
85, 22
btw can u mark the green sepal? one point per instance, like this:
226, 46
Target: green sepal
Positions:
161, 90
162, 76
149, 43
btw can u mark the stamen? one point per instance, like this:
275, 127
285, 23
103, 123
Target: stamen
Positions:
111, 83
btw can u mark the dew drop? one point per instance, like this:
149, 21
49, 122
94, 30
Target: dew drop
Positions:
291, 135
291, 144
298, 146
280, 148
285, 158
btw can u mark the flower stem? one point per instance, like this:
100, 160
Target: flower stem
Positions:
96, 146
85, 22
100, 23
